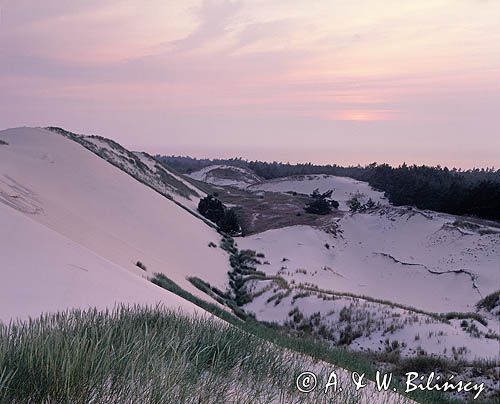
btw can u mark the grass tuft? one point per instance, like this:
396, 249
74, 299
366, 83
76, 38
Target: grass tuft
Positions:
139, 354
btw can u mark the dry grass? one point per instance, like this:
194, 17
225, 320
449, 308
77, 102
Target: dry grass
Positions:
261, 211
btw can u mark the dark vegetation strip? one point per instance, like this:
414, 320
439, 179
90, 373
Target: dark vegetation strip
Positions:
444, 317
490, 302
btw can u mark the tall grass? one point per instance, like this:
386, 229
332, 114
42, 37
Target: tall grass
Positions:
144, 355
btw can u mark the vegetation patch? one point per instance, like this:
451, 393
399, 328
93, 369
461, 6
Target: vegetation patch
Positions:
181, 188
242, 270
141, 355
300, 341
141, 265
490, 302
258, 212
131, 164
321, 203
355, 205
214, 210
454, 315
461, 192
444, 317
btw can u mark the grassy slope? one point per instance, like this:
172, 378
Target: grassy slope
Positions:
353, 361
144, 355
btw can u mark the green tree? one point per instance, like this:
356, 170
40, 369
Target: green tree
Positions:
354, 204
229, 223
318, 206
211, 208
214, 210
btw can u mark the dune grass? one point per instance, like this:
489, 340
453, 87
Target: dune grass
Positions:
134, 355
156, 355
144, 355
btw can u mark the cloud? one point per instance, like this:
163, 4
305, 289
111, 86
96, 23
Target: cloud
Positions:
26, 12
214, 16
276, 30
289, 67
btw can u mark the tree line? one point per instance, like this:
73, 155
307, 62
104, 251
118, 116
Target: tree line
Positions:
462, 192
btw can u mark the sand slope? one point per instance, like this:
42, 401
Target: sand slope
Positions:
63, 186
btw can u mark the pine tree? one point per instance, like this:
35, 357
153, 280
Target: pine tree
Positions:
214, 210
229, 223
354, 204
211, 208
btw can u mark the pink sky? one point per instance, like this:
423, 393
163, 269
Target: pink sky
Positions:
345, 81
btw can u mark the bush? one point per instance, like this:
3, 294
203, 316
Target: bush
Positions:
3, 142
214, 210
211, 208
490, 302
424, 364
370, 204
140, 265
321, 203
229, 223
318, 207
354, 204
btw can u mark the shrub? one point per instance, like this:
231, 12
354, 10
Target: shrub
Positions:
424, 364
214, 210
348, 335
140, 265
229, 223
490, 302
3, 142
318, 206
321, 203
211, 208
458, 315
369, 204
354, 204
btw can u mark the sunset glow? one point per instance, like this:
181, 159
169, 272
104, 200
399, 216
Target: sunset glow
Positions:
362, 115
